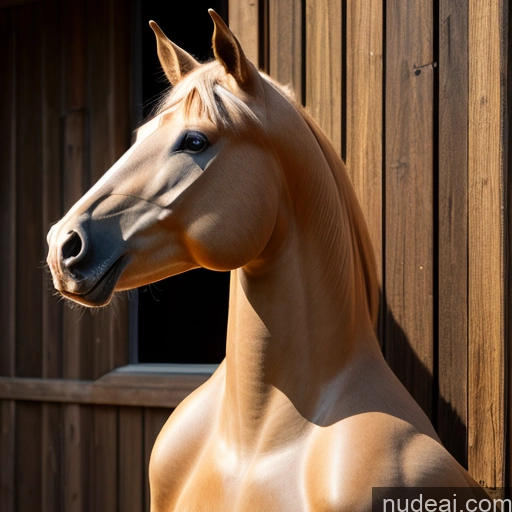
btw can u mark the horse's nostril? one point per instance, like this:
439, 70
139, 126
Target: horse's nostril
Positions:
71, 247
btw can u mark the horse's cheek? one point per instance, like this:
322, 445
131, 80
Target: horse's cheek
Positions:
214, 246
231, 240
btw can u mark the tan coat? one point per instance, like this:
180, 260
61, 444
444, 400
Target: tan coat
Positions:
304, 414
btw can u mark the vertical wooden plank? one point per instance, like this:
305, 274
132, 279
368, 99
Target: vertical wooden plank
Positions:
453, 232
154, 420
7, 254
486, 250
409, 195
75, 462
8, 193
507, 180
324, 66
131, 460
29, 249
7, 449
28, 457
364, 113
74, 155
29, 252
100, 84
285, 43
73, 49
244, 22
103, 459
51, 467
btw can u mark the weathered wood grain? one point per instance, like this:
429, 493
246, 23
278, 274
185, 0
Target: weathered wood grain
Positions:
7, 449
8, 193
364, 113
154, 420
131, 459
285, 43
104, 459
29, 242
486, 360
7, 254
73, 60
29, 251
28, 463
74, 461
409, 178
244, 22
452, 227
131, 390
51, 458
324, 66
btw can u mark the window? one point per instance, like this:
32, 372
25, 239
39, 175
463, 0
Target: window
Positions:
182, 319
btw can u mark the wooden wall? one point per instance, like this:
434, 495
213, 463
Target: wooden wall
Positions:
415, 97
66, 116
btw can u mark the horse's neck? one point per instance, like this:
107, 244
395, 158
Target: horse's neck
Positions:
291, 331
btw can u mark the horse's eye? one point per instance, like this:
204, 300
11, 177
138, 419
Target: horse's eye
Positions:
194, 142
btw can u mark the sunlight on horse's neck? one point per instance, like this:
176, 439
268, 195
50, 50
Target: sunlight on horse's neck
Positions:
295, 323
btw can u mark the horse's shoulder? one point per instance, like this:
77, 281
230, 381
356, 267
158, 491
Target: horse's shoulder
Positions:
373, 449
180, 441
427, 462
368, 443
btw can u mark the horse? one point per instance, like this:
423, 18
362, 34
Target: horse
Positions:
232, 174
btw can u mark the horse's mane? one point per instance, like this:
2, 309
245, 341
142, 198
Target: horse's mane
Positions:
204, 93
363, 257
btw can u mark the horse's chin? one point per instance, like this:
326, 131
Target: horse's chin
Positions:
100, 294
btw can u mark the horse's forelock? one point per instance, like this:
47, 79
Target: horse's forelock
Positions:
205, 94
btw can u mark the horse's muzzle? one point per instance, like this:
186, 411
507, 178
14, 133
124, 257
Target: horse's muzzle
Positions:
80, 272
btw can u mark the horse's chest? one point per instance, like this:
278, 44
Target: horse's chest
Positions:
223, 481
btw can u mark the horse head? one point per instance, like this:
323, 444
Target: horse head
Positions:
198, 188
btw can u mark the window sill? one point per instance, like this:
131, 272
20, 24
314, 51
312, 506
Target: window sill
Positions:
133, 385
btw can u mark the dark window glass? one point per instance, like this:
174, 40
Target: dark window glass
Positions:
182, 319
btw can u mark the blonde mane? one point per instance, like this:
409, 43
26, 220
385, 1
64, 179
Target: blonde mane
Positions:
360, 265
363, 257
203, 94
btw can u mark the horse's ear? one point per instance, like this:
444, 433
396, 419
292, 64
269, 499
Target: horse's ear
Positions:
175, 61
228, 51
